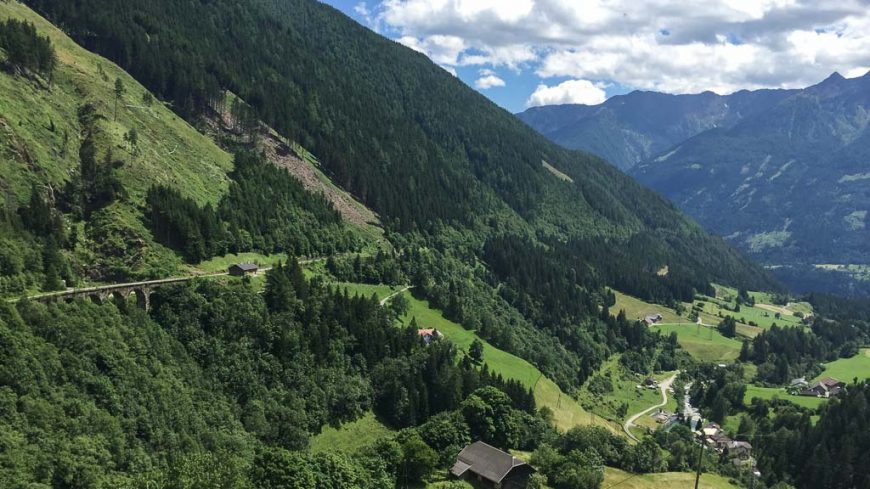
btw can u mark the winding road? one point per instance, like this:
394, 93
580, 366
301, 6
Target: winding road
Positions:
664, 386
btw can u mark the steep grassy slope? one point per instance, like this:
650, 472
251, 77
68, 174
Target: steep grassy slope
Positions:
41, 136
171, 151
408, 139
625, 480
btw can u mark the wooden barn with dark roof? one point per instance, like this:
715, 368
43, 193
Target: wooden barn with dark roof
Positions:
242, 269
490, 467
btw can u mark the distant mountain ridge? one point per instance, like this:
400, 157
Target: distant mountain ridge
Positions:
789, 184
782, 174
628, 129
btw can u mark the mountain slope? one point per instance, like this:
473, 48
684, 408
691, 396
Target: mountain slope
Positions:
628, 129
65, 132
789, 185
41, 138
408, 139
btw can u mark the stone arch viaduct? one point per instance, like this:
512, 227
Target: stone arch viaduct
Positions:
118, 292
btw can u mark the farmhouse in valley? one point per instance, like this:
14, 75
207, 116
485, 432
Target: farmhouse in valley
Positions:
429, 335
488, 466
826, 387
242, 269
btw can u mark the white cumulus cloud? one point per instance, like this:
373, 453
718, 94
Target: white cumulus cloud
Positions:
676, 46
488, 80
567, 92
444, 50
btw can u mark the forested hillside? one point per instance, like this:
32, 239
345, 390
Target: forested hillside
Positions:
408, 139
99, 178
216, 386
787, 185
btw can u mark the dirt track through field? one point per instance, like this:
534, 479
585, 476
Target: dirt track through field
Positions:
664, 386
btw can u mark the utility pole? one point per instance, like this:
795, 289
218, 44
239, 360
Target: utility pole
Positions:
700, 460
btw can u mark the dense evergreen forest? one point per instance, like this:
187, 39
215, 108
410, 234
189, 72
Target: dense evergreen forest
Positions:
221, 380
793, 445
791, 449
265, 210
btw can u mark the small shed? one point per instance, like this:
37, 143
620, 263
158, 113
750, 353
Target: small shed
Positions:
487, 466
651, 319
242, 269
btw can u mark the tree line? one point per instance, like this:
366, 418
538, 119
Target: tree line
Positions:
25, 49
266, 209
786, 353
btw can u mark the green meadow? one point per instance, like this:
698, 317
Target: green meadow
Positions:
637, 309
769, 393
672, 480
703, 343
350, 437
624, 391
847, 369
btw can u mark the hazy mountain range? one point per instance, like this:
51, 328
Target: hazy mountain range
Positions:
782, 174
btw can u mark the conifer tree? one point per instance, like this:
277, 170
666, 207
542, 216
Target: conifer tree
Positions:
119, 92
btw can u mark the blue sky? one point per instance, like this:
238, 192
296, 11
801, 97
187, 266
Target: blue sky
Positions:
523, 53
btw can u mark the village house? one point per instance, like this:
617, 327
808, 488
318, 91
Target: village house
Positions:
429, 335
738, 449
242, 269
487, 466
664, 417
826, 387
719, 441
711, 429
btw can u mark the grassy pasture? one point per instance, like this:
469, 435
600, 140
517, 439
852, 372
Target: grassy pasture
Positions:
847, 369
771, 392
637, 309
624, 391
350, 437
702, 342
625, 480
762, 315
171, 151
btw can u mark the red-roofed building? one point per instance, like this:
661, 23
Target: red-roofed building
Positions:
429, 335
